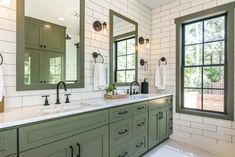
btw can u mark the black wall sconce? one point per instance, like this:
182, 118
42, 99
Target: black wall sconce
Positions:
99, 26
144, 63
142, 42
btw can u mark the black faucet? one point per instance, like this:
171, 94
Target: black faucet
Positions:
57, 91
133, 83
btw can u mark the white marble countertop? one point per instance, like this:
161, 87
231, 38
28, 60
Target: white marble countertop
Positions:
16, 117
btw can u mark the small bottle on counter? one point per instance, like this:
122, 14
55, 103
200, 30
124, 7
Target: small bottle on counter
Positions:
2, 105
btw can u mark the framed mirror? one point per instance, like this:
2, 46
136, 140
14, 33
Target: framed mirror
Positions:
50, 43
123, 49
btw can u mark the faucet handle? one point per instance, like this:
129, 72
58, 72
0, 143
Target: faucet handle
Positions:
46, 100
67, 97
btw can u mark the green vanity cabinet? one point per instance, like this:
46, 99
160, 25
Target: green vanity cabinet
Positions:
93, 143
44, 36
160, 120
8, 143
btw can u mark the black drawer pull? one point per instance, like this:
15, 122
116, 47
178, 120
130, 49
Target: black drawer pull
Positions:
141, 124
71, 149
140, 108
122, 113
139, 145
125, 131
123, 154
79, 150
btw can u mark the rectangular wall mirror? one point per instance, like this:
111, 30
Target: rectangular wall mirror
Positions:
123, 49
50, 43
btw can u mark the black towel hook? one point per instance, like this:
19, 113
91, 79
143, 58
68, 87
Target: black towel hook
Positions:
96, 55
163, 59
1, 59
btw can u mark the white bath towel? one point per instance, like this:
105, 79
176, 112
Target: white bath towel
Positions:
2, 89
100, 76
160, 77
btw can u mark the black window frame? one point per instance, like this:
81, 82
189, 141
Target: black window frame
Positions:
224, 65
227, 9
126, 55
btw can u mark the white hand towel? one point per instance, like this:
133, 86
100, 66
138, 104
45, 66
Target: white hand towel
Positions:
100, 76
2, 89
160, 77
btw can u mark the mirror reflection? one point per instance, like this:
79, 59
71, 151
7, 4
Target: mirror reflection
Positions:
52, 36
124, 50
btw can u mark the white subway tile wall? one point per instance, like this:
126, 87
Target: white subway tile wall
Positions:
213, 134
94, 42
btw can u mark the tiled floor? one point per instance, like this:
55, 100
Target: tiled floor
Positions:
172, 148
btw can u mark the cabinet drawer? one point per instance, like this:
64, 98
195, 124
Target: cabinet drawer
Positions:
123, 150
120, 113
160, 102
40, 134
139, 108
140, 124
8, 143
120, 132
140, 146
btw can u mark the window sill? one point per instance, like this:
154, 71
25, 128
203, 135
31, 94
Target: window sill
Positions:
205, 114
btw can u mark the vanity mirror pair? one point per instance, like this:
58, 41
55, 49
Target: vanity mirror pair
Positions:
50, 45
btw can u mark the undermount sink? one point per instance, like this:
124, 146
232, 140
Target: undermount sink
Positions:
63, 108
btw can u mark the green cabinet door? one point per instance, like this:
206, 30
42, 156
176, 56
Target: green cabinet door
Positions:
93, 143
154, 116
33, 34
54, 38
8, 143
13, 155
163, 124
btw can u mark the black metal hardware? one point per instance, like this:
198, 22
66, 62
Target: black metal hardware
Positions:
141, 124
142, 62
123, 132
139, 145
123, 154
160, 115
141, 40
1, 59
46, 100
79, 150
132, 83
57, 91
41, 45
67, 98
45, 46
97, 25
124, 112
96, 55
140, 108
163, 59
71, 149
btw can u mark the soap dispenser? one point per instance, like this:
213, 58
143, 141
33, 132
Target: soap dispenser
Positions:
145, 87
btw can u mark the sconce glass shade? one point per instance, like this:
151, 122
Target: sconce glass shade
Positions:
105, 28
147, 43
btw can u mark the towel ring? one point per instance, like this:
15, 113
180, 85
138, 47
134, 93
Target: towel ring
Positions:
163, 59
1, 59
96, 55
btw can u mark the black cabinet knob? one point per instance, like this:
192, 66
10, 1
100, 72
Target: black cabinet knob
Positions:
44, 46
41, 45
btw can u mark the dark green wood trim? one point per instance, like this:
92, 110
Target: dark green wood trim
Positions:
20, 86
111, 45
229, 93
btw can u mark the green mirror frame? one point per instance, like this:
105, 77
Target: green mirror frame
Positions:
20, 42
112, 39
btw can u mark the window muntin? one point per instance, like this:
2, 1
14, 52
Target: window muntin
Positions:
204, 64
125, 60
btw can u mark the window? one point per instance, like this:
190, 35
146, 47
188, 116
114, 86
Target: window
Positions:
205, 63
125, 60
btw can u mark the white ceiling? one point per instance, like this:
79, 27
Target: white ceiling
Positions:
155, 3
